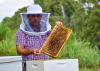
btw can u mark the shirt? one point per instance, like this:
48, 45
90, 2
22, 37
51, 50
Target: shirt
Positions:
31, 42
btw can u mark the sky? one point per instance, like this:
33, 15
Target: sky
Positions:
9, 7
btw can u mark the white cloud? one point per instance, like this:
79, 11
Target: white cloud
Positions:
8, 7
2, 1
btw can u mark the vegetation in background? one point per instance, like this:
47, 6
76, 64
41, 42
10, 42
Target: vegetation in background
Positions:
7, 41
84, 44
74, 48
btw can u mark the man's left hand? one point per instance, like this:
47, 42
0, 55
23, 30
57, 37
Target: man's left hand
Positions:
37, 52
59, 23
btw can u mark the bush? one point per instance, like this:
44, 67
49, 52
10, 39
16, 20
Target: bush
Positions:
3, 32
7, 44
88, 57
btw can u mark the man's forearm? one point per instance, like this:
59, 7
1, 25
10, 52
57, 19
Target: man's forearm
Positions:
23, 51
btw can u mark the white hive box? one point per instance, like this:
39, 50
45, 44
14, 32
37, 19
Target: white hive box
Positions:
53, 65
11, 63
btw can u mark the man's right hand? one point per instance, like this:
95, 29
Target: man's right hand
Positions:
22, 51
32, 51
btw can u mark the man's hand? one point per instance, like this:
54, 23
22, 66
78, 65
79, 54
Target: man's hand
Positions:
22, 51
32, 51
59, 23
37, 52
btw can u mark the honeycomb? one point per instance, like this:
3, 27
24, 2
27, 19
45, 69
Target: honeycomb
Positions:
56, 40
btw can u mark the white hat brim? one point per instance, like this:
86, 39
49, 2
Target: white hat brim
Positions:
34, 13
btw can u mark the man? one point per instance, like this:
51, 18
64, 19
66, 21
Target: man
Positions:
32, 33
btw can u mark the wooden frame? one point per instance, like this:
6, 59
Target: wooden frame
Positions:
55, 41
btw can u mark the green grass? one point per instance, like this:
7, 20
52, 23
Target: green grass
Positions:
7, 48
7, 45
88, 57
89, 69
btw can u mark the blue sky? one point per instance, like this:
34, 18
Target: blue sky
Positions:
9, 7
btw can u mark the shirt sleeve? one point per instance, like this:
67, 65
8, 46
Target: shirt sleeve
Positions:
20, 38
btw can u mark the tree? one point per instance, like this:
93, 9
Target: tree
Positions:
88, 25
14, 21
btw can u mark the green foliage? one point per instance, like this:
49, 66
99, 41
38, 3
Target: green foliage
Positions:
89, 69
7, 48
54, 7
92, 26
85, 37
50, 6
3, 32
53, 20
88, 25
7, 41
88, 57
14, 21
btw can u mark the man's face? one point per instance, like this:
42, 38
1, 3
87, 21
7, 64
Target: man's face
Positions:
34, 19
